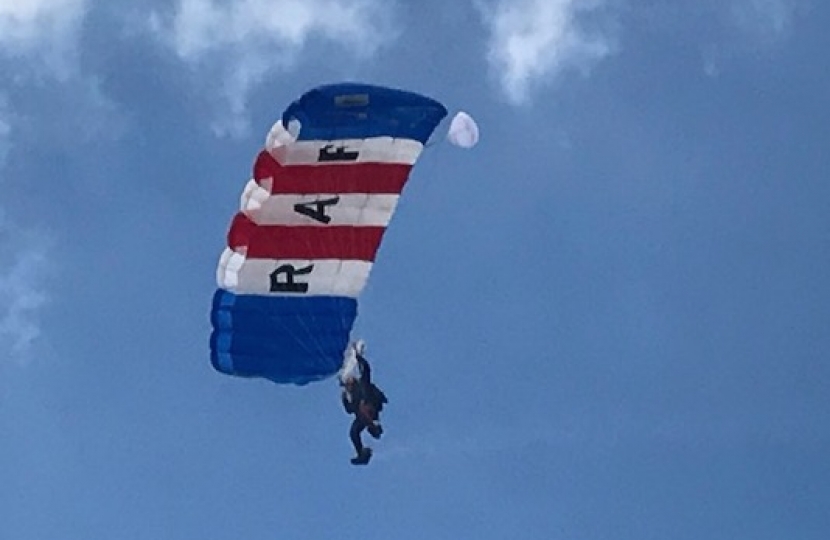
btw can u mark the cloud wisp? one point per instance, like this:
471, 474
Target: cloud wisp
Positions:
248, 39
46, 28
22, 295
5, 131
749, 27
533, 41
765, 21
39, 41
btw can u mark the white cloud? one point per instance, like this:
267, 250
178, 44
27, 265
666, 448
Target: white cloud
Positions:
22, 269
250, 38
39, 45
20, 297
764, 20
750, 27
532, 41
38, 42
48, 28
201, 25
5, 130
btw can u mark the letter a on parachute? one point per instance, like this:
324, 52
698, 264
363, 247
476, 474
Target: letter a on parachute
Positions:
311, 220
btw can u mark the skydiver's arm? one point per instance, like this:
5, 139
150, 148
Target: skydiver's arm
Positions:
365, 370
349, 405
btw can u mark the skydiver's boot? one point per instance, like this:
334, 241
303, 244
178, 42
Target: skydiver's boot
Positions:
363, 457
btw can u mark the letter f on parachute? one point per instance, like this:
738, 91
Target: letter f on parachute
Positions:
300, 249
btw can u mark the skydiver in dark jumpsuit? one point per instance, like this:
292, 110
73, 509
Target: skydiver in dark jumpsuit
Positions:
365, 401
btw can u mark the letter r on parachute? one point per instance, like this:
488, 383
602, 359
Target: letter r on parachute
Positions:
289, 285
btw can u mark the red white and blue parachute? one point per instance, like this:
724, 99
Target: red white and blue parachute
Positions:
300, 249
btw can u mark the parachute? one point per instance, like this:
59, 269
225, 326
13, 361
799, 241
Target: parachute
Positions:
311, 220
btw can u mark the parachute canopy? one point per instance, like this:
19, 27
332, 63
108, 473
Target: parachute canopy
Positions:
311, 220
463, 130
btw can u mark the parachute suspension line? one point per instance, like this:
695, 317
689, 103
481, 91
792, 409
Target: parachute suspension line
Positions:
309, 330
306, 338
311, 315
433, 140
428, 170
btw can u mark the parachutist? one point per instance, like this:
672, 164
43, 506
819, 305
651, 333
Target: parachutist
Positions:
365, 401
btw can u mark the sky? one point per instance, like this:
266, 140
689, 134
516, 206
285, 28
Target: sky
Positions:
607, 320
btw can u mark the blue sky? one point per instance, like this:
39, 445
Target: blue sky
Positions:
608, 320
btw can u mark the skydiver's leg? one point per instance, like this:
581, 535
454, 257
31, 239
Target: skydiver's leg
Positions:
372, 419
364, 453
375, 430
354, 434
